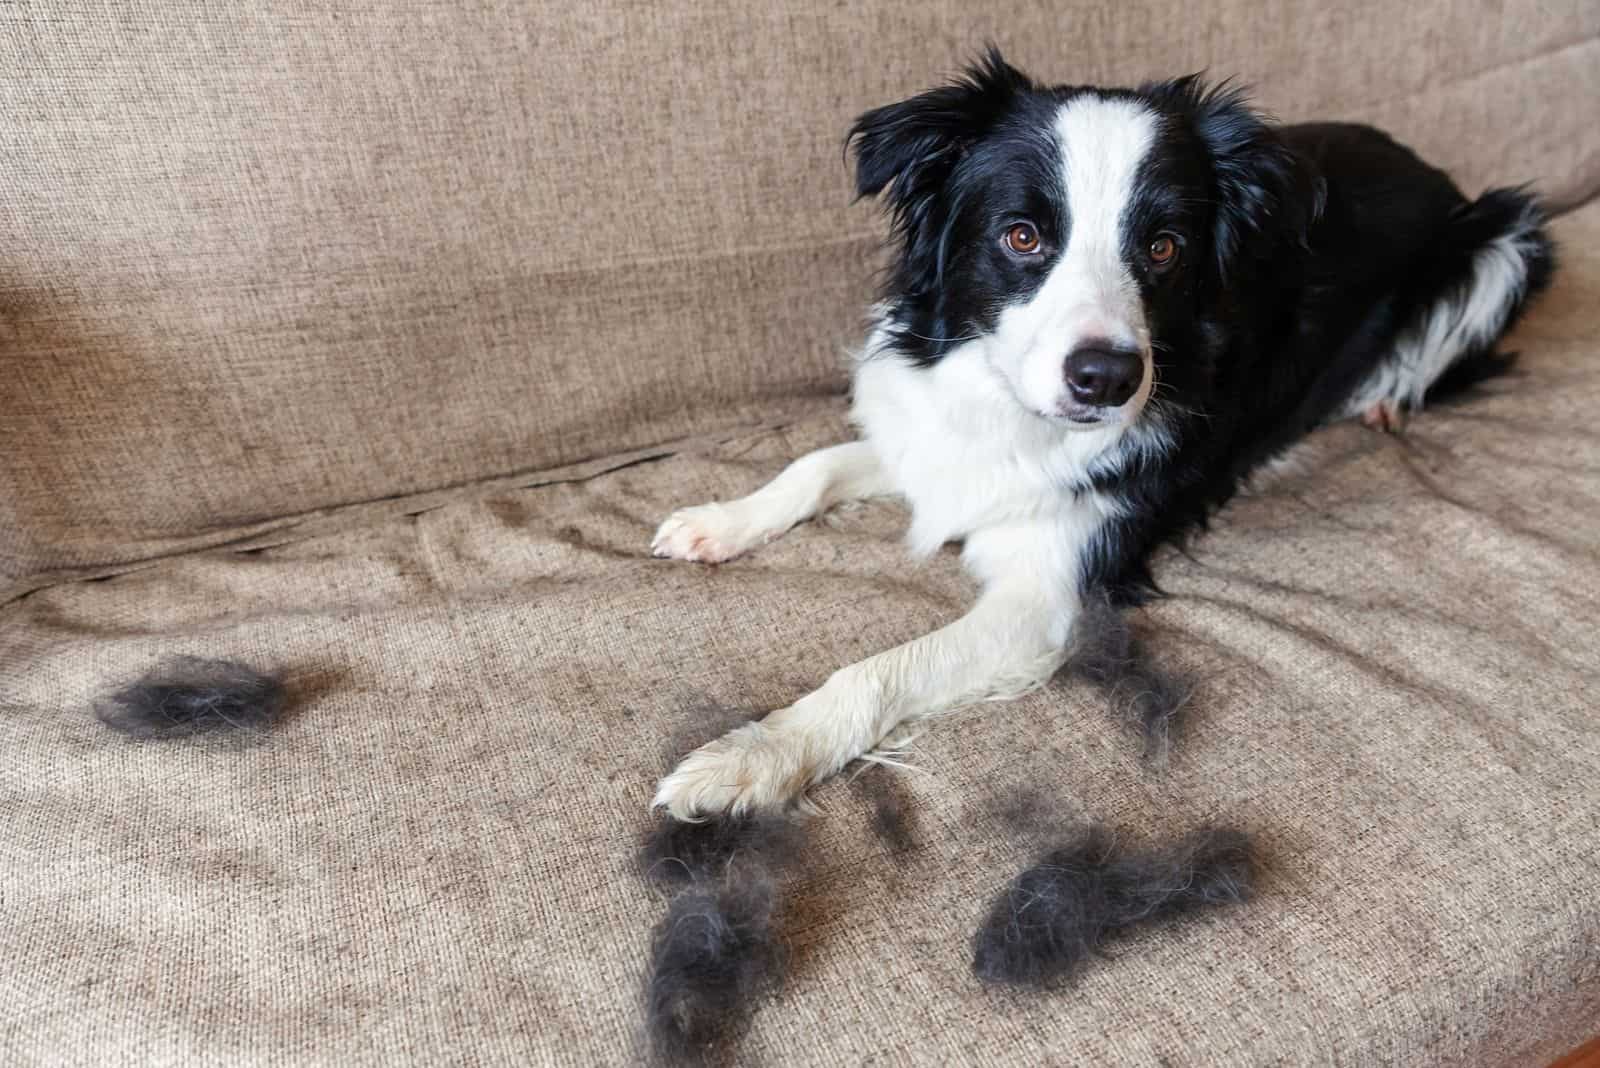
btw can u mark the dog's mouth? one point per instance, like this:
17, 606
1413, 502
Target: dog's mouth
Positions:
1087, 417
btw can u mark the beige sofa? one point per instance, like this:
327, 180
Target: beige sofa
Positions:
371, 340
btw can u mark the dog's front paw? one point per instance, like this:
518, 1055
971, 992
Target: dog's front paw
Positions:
708, 534
750, 768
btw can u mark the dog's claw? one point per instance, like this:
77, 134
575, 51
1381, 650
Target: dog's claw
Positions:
1386, 416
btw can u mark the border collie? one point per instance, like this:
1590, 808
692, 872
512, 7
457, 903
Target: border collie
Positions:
1107, 308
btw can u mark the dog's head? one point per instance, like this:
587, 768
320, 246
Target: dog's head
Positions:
1078, 237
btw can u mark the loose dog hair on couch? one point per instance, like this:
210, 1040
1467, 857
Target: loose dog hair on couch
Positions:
1107, 308
1060, 911
188, 695
1107, 654
718, 947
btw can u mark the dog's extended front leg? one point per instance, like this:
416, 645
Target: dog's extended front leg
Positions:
1014, 638
712, 533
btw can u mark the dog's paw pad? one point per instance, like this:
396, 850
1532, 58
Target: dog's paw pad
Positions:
708, 534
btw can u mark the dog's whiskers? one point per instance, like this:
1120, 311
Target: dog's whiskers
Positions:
939, 340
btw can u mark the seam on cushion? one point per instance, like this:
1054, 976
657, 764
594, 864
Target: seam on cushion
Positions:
268, 535
733, 255
1586, 195
305, 526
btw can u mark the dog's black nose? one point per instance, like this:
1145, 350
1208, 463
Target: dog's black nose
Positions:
1103, 375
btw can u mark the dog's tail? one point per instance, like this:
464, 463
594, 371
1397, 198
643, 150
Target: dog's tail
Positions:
1492, 257
1512, 257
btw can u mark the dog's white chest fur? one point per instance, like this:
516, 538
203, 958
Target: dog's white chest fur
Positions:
963, 452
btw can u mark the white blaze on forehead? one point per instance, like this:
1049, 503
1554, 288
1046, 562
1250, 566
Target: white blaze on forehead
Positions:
1103, 143
1090, 294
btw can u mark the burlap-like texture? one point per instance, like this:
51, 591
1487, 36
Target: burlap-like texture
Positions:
258, 260
433, 860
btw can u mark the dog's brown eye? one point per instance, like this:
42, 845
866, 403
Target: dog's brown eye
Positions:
1164, 250
1022, 239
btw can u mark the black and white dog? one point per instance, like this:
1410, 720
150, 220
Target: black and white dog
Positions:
1108, 307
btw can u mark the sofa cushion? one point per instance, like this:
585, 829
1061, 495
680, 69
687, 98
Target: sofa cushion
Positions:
256, 263
1393, 645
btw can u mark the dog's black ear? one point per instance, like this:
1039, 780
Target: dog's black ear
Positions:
910, 147
1266, 195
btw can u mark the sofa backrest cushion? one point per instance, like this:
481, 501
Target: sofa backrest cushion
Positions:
258, 261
